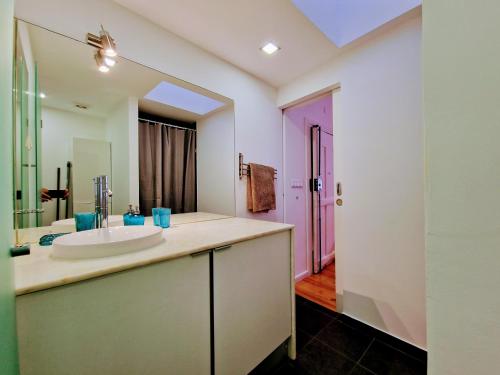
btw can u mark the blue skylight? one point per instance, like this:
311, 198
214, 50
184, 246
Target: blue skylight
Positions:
179, 97
344, 21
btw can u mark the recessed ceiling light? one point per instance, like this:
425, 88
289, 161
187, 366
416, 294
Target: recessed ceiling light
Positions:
42, 95
270, 48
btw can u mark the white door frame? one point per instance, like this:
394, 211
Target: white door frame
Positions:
335, 91
338, 173
307, 272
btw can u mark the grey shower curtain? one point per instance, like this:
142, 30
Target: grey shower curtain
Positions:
167, 168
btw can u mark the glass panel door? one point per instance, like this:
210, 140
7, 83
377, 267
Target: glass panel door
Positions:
8, 346
27, 143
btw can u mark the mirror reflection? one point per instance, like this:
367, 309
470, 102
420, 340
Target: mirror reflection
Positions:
161, 141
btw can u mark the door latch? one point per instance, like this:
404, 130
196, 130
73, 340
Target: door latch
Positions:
317, 184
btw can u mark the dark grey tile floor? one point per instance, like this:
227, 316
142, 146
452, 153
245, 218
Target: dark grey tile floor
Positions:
331, 343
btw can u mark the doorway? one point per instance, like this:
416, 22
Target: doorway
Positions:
309, 196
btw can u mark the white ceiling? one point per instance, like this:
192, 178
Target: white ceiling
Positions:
235, 30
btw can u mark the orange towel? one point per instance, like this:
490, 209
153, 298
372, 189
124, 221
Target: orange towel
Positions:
260, 188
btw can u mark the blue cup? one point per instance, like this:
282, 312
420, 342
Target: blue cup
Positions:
84, 221
161, 217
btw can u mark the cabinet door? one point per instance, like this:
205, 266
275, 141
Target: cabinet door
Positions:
252, 302
150, 320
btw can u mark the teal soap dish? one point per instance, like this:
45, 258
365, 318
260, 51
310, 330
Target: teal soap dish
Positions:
49, 238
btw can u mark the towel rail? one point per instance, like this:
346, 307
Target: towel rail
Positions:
244, 169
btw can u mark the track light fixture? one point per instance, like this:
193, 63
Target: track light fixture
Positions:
106, 46
109, 61
101, 64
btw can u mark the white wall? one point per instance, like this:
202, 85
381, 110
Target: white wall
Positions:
215, 163
379, 160
59, 129
123, 133
462, 128
258, 121
120, 128
91, 158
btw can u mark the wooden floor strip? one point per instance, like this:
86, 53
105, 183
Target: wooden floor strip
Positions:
319, 288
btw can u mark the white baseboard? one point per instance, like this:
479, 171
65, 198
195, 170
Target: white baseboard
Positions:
302, 275
327, 259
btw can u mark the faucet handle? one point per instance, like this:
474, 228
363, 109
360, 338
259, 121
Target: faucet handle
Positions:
110, 193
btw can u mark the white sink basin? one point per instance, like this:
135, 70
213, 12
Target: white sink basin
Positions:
97, 243
68, 225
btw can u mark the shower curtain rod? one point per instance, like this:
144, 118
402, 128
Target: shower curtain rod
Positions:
164, 123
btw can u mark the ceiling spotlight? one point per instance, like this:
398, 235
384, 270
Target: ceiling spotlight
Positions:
42, 95
109, 61
270, 48
106, 49
108, 44
101, 64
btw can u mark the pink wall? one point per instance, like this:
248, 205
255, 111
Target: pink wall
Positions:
297, 121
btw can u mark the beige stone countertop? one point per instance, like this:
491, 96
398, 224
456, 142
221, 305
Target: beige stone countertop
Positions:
32, 235
192, 217
39, 271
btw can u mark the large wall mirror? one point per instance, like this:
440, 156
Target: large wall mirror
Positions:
163, 142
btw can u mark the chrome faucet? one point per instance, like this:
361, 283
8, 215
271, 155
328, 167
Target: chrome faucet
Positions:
102, 195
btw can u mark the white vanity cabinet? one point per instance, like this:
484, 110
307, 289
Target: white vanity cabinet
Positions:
148, 320
252, 302
192, 305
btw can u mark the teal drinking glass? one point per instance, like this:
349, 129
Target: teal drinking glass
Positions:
161, 217
84, 221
